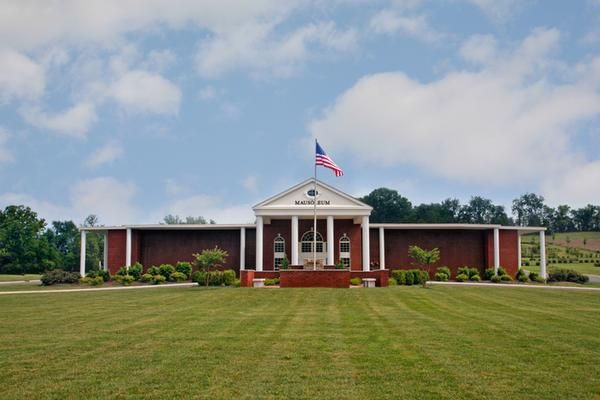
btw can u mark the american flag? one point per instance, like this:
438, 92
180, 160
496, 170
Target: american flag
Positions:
321, 158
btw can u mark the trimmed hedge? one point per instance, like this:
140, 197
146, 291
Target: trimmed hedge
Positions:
567, 275
215, 278
56, 276
410, 276
355, 281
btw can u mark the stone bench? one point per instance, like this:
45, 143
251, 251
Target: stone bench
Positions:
369, 282
258, 282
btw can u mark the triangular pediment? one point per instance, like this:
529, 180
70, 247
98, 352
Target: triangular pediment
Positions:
298, 200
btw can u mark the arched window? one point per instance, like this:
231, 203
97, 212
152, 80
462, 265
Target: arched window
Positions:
307, 241
278, 251
345, 250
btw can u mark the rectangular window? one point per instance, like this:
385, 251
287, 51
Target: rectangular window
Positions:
344, 247
306, 247
319, 247
345, 261
277, 263
279, 247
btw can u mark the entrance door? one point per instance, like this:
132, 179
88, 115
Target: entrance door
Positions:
306, 249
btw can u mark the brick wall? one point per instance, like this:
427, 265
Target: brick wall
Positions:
508, 250
324, 278
116, 249
381, 276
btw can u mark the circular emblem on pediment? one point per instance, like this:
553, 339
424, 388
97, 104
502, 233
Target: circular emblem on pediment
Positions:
312, 193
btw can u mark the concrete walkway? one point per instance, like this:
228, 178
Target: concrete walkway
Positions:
32, 282
515, 285
100, 289
594, 278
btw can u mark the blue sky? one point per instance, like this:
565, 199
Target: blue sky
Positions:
135, 109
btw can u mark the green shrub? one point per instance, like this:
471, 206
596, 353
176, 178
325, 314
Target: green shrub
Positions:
533, 276
523, 278
462, 277
184, 267
178, 277
355, 281
400, 276
159, 279
166, 270
136, 271
272, 282
597, 264
236, 283
441, 277
520, 273
56, 276
121, 272
198, 277
153, 270
444, 270
125, 280
475, 278
229, 277
392, 282
468, 271
489, 272
100, 272
423, 276
409, 278
567, 275
506, 278
146, 278
95, 281
495, 279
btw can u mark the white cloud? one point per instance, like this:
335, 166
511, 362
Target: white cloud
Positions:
207, 93
390, 22
496, 125
105, 154
108, 198
159, 60
479, 49
250, 183
255, 46
75, 121
577, 188
210, 208
142, 91
20, 77
497, 9
173, 188
26, 24
5, 154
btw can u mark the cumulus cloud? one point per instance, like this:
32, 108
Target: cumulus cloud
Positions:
110, 199
578, 187
210, 207
391, 21
20, 76
497, 124
142, 91
5, 154
105, 154
75, 121
250, 183
497, 9
256, 46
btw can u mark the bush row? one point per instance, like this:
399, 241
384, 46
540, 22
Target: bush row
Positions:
56, 276
567, 275
216, 278
409, 277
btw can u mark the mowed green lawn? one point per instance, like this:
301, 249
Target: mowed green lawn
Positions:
399, 342
13, 278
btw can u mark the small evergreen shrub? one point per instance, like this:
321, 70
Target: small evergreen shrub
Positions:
166, 270
146, 278
57, 276
462, 277
521, 273
392, 282
400, 276
355, 281
533, 276
496, 279
229, 277
159, 279
523, 278
444, 270
567, 275
409, 278
475, 278
125, 280
105, 275
468, 271
423, 276
441, 277
236, 283
597, 264
198, 276
95, 281
178, 277
272, 282
184, 267
153, 270
506, 278
136, 271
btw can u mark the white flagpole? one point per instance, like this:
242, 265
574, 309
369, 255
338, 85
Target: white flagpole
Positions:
315, 213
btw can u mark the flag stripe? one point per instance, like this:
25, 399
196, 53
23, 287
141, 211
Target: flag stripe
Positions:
324, 160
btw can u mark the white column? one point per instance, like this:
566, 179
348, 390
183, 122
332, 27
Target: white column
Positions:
82, 254
381, 248
294, 260
242, 249
259, 243
128, 249
105, 258
543, 255
519, 248
366, 257
496, 250
330, 244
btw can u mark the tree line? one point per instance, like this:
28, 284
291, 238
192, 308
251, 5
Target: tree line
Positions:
527, 210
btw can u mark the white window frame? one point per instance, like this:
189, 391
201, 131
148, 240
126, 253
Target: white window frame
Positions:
345, 255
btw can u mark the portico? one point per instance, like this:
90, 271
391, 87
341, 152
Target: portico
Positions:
284, 228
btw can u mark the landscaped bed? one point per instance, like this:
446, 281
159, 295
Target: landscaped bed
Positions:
398, 342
